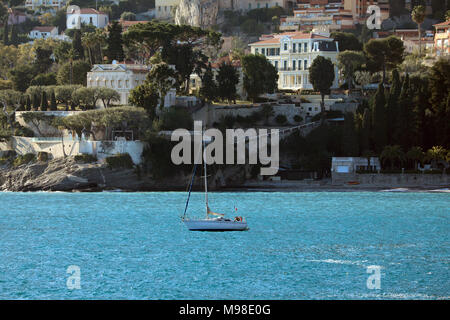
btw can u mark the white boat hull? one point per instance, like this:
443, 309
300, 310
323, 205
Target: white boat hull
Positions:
215, 225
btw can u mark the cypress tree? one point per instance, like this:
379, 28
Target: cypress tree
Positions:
208, 90
404, 130
114, 49
366, 129
28, 104
53, 104
5, 34
379, 119
14, 39
44, 102
36, 102
392, 106
77, 45
349, 138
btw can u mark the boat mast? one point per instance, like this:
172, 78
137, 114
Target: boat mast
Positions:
206, 176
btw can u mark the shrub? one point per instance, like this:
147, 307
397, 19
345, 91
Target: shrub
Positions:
120, 161
85, 158
24, 159
298, 118
43, 156
281, 119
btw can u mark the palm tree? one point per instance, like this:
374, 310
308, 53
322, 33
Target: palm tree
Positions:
436, 154
392, 155
418, 16
88, 40
416, 155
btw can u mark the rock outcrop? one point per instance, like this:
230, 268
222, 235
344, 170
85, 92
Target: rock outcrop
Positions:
197, 13
68, 175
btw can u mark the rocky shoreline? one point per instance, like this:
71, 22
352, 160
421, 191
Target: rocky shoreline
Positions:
67, 175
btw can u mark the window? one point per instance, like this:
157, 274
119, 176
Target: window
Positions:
293, 64
276, 65
285, 65
90, 20
285, 46
294, 47
256, 50
306, 64
299, 64
278, 52
305, 47
263, 51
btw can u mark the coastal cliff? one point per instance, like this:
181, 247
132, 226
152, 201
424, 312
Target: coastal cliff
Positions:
197, 13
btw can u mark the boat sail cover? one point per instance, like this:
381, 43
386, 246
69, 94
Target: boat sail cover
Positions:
214, 213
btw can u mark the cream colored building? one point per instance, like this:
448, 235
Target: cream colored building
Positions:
165, 9
292, 53
123, 78
35, 4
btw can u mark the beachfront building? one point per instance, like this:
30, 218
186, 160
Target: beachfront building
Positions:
122, 78
87, 16
441, 38
292, 53
354, 164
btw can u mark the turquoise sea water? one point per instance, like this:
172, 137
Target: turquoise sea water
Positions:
300, 246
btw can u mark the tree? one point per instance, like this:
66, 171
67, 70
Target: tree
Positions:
227, 79
114, 48
346, 41
392, 105
349, 62
186, 60
107, 96
321, 76
416, 155
349, 138
21, 76
44, 102
440, 91
86, 96
366, 129
209, 86
384, 54
43, 61
379, 119
436, 154
162, 77
10, 98
260, 76
77, 46
405, 120
78, 68
418, 15
145, 96
363, 78
128, 16
53, 104
64, 94
392, 155
153, 35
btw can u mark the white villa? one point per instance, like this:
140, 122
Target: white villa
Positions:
87, 16
123, 78
44, 32
292, 53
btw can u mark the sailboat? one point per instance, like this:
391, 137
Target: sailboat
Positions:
213, 221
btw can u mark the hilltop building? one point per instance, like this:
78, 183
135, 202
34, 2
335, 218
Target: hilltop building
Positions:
441, 38
331, 15
292, 53
54, 4
87, 16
